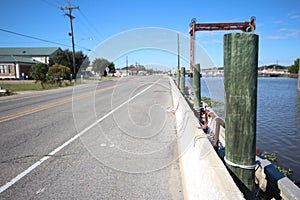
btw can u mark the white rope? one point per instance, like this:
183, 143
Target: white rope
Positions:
197, 137
173, 110
262, 178
239, 166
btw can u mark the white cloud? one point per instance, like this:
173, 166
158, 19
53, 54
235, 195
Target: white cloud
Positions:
277, 22
293, 33
274, 37
285, 33
283, 29
295, 16
290, 32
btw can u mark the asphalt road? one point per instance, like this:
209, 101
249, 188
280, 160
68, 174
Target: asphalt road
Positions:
107, 140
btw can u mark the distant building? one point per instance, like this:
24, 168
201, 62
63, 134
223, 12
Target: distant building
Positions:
15, 63
213, 72
121, 73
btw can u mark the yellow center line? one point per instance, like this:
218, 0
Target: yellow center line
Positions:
55, 104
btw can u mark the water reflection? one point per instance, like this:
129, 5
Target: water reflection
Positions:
278, 116
213, 88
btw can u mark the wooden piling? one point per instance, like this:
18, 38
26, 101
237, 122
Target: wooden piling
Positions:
178, 78
240, 81
182, 80
178, 60
197, 87
299, 77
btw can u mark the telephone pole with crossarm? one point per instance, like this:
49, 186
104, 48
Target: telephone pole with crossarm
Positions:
69, 14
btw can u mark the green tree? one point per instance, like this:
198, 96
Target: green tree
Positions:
99, 65
58, 72
82, 61
65, 58
141, 67
294, 69
62, 57
39, 73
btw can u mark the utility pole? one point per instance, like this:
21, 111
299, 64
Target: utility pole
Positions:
69, 14
127, 65
178, 61
299, 76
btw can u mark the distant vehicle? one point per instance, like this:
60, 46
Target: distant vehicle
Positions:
142, 73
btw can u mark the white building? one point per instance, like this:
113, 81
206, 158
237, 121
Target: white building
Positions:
15, 63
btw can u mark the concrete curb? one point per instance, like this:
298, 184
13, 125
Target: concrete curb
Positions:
204, 176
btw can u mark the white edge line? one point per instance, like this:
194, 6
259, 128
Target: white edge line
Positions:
35, 165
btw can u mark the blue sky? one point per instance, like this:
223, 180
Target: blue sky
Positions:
278, 23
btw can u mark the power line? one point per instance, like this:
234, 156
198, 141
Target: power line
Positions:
91, 25
50, 3
55, 4
39, 39
32, 37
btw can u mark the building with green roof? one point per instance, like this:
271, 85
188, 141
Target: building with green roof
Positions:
15, 63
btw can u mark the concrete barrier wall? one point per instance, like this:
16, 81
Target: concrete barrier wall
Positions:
204, 175
270, 180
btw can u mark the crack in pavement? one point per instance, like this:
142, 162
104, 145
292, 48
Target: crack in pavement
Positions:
34, 156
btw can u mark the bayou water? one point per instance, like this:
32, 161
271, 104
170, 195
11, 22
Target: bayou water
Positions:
278, 117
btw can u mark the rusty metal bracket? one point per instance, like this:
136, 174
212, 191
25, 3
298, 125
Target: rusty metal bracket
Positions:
248, 26
243, 26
